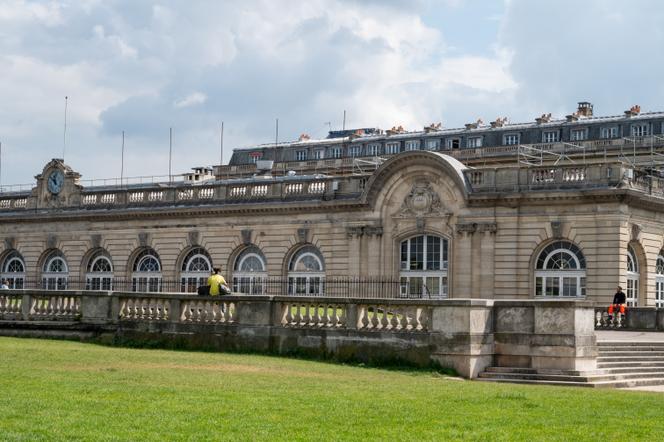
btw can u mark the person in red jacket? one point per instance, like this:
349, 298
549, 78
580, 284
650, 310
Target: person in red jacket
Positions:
618, 303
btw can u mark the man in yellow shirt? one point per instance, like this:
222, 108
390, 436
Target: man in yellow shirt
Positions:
214, 281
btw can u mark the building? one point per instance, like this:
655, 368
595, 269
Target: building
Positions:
521, 213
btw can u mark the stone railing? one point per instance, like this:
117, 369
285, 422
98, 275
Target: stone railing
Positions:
231, 191
467, 335
519, 179
635, 318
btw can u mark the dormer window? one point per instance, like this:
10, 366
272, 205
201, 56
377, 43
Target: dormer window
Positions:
355, 151
608, 132
301, 155
335, 152
640, 130
578, 134
473, 142
511, 139
373, 149
412, 145
392, 148
453, 143
319, 154
433, 144
550, 136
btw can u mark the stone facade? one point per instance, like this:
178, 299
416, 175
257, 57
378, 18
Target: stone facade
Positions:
489, 226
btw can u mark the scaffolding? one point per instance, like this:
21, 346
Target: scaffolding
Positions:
534, 156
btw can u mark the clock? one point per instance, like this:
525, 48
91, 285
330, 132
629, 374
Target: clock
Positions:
55, 181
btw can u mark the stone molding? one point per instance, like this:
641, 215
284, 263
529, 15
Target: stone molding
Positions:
359, 231
470, 228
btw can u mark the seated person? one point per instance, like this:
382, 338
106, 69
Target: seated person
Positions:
618, 303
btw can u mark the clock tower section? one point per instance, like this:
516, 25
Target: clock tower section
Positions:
57, 185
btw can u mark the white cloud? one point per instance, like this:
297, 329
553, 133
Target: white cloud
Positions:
191, 100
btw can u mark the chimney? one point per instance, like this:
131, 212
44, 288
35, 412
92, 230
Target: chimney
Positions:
395, 130
433, 127
475, 125
500, 122
545, 118
304, 137
634, 110
584, 109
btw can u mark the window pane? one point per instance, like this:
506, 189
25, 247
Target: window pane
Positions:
539, 286
433, 253
569, 286
552, 286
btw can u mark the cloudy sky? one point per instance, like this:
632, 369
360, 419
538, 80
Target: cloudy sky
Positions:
143, 66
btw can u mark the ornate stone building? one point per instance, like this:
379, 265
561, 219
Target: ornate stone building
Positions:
492, 229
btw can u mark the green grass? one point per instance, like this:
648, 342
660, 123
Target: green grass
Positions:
58, 390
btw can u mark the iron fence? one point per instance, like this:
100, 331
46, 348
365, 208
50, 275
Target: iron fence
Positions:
340, 287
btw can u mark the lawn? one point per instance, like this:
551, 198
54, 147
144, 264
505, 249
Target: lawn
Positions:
57, 390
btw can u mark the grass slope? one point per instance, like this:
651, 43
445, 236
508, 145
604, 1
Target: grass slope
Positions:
56, 390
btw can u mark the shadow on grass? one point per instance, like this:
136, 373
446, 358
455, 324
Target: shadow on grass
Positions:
183, 345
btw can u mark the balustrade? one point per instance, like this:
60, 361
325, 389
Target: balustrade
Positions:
382, 317
316, 187
10, 306
156, 196
314, 314
55, 306
145, 308
603, 320
206, 193
135, 197
293, 188
207, 311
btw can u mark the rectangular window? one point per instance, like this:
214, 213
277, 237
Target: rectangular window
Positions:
254, 159
640, 130
578, 134
404, 255
569, 286
392, 148
552, 286
433, 144
373, 149
319, 154
433, 253
453, 143
511, 139
412, 145
335, 152
539, 286
354, 151
608, 132
474, 142
417, 253
550, 136
301, 155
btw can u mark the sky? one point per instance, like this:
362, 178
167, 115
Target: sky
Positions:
143, 67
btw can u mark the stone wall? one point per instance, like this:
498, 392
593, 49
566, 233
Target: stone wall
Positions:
466, 335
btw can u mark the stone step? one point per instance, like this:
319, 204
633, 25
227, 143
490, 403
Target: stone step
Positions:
617, 370
637, 363
631, 353
644, 382
571, 378
630, 359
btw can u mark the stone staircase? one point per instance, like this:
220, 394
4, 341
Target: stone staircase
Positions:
620, 364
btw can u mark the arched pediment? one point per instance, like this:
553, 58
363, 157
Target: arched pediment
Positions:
447, 165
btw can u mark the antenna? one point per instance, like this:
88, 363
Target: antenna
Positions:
64, 134
221, 145
170, 153
0, 166
343, 126
122, 161
329, 126
276, 134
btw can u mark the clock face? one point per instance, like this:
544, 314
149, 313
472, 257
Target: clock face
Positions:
55, 181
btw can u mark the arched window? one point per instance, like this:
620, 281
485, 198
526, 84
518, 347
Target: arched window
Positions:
196, 268
306, 272
99, 275
13, 270
560, 271
633, 277
424, 267
146, 275
249, 272
55, 272
659, 280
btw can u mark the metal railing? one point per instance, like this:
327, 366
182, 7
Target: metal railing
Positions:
334, 287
